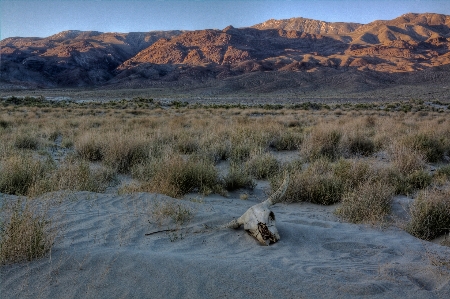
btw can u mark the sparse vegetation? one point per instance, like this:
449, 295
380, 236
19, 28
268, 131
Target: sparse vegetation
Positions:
322, 141
179, 214
318, 184
25, 233
369, 202
356, 154
263, 166
19, 173
175, 177
238, 177
430, 214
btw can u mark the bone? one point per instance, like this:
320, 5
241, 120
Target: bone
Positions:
259, 220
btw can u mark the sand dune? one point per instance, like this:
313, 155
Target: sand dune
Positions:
103, 252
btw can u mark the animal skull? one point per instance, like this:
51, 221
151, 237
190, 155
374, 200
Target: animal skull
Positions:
259, 220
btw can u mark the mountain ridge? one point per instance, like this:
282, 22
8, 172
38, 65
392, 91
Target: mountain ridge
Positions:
297, 47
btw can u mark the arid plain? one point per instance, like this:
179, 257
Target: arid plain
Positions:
121, 188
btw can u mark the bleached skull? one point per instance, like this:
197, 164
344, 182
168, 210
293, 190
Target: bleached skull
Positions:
259, 220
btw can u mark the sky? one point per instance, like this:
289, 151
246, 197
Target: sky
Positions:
41, 18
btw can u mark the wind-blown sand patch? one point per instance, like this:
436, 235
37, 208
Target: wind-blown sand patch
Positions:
103, 253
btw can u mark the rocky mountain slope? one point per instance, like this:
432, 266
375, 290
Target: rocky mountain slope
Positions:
71, 58
295, 54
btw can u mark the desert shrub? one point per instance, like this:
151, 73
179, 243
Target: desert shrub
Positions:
369, 202
124, 153
360, 144
175, 177
370, 121
25, 233
432, 147
419, 179
317, 184
75, 176
19, 173
444, 171
405, 184
406, 159
218, 151
263, 166
287, 140
67, 143
430, 214
26, 141
240, 152
177, 212
442, 175
187, 145
352, 173
321, 142
238, 177
90, 147
4, 124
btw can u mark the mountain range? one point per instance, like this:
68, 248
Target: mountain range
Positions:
296, 54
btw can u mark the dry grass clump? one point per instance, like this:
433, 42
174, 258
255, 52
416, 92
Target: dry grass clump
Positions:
324, 182
75, 176
430, 145
19, 173
263, 166
176, 177
126, 152
187, 145
240, 152
177, 212
25, 233
369, 202
430, 214
90, 147
442, 175
238, 177
406, 159
217, 150
317, 184
287, 140
26, 141
322, 141
359, 144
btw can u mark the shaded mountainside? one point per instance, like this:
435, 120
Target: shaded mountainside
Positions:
298, 54
71, 58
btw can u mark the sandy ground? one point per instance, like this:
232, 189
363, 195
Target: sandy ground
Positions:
103, 252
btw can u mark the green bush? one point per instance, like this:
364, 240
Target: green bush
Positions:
352, 173
406, 184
